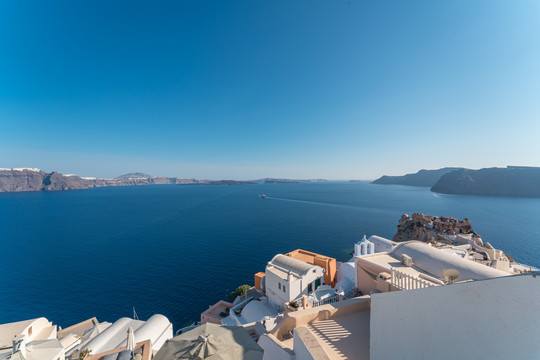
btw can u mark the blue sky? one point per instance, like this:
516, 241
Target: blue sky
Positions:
250, 89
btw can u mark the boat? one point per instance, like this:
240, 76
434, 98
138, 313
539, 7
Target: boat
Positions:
262, 196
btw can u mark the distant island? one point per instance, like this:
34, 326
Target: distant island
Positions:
32, 179
281, 181
512, 181
221, 182
516, 181
420, 178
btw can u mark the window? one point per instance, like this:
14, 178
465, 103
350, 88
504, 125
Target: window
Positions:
310, 288
317, 283
283, 288
279, 286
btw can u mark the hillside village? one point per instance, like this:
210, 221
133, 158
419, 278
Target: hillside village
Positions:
434, 285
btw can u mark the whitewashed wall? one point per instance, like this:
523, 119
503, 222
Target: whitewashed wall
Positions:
489, 319
293, 290
273, 350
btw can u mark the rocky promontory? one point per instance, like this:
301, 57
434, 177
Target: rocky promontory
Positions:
432, 229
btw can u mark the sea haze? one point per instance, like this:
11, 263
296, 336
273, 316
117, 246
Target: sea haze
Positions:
175, 250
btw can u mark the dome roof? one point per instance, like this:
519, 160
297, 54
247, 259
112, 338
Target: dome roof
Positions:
435, 261
288, 263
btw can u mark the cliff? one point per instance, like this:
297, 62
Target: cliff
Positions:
24, 179
510, 181
29, 179
420, 178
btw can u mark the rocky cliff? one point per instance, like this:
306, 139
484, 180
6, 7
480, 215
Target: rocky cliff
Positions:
515, 181
25, 179
420, 178
29, 179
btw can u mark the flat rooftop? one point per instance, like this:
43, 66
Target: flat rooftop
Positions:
78, 329
344, 337
218, 308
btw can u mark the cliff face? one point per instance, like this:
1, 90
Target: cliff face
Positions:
38, 180
56, 181
510, 181
421, 178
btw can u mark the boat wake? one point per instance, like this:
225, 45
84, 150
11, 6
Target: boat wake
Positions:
326, 204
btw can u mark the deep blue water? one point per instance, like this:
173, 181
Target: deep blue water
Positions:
175, 250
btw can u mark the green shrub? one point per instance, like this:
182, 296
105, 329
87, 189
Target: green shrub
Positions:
241, 290
83, 354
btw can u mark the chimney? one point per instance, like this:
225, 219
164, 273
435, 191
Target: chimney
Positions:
19, 344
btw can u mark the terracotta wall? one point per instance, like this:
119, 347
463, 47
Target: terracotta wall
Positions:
327, 263
258, 279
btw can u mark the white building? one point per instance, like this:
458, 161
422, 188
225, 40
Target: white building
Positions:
157, 329
288, 279
496, 318
30, 340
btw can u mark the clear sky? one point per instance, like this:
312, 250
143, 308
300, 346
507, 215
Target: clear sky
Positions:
268, 88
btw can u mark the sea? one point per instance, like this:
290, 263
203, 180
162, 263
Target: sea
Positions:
175, 250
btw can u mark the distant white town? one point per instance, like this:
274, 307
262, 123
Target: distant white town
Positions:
439, 292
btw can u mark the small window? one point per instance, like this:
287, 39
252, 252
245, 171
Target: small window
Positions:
279, 286
283, 288
310, 288
317, 283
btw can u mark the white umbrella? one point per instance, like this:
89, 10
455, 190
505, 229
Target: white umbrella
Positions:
130, 342
211, 341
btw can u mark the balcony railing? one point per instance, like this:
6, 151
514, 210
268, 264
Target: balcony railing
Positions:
335, 299
331, 300
408, 282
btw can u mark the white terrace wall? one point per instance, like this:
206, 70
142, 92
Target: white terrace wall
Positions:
489, 319
274, 349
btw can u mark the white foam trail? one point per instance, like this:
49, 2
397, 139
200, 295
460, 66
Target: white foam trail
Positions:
328, 204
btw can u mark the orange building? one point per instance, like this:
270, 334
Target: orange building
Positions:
327, 263
258, 279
